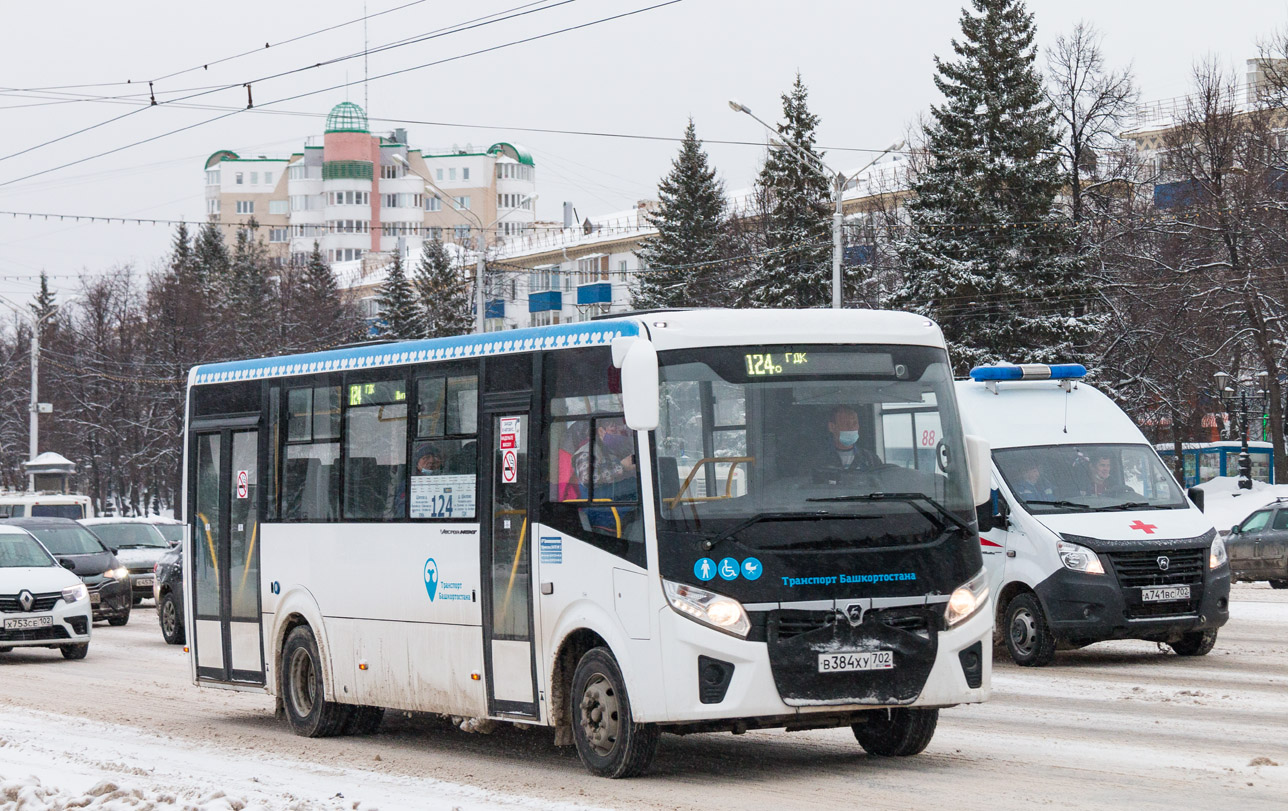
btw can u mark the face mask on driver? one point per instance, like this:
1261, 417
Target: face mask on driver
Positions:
848, 438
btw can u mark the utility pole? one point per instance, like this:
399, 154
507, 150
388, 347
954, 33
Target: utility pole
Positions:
33, 439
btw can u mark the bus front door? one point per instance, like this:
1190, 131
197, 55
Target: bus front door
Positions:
507, 623
224, 524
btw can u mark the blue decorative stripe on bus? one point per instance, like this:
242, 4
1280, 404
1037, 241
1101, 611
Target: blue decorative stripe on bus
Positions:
562, 336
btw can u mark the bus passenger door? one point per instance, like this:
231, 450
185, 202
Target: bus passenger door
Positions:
224, 523
507, 579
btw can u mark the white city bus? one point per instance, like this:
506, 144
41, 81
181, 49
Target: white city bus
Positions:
615, 528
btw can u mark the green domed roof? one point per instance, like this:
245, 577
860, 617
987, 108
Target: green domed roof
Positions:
346, 117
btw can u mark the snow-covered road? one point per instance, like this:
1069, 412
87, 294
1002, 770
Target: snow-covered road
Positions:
1114, 725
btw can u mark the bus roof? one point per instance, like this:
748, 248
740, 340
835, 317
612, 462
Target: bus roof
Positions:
668, 330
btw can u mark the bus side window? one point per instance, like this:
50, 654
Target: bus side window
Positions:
311, 468
590, 487
442, 481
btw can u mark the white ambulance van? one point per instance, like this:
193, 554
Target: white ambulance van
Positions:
1088, 537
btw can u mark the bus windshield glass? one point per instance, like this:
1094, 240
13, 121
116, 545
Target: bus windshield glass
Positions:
782, 432
1088, 478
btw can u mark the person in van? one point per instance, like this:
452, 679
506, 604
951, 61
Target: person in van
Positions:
1030, 484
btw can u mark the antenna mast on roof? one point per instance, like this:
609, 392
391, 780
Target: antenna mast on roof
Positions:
365, 47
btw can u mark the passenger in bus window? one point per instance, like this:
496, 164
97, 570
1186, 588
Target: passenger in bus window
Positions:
613, 477
428, 461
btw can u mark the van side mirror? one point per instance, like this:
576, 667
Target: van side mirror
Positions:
979, 463
641, 389
1196, 495
67, 564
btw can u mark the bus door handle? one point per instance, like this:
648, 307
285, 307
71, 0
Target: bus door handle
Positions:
547, 588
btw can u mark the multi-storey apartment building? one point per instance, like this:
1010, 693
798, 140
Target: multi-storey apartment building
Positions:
356, 194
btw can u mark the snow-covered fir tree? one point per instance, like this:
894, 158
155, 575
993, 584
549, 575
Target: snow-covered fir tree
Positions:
316, 305
796, 270
445, 305
251, 292
400, 316
690, 222
988, 254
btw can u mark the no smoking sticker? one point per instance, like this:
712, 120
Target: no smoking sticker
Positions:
243, 484
509, 467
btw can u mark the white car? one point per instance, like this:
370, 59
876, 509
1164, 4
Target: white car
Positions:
137, 543
42, 605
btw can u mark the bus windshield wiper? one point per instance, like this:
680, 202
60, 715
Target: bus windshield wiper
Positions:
1060, 503
912, 498
710, 543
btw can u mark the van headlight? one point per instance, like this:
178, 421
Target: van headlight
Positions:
720, 612
967, 598
76, 593
1217, 557
1078, 558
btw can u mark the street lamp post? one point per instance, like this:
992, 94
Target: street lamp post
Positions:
34, 405
480, 265
1229, 397
838, 181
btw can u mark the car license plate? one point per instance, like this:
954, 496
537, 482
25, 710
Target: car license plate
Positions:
849, 661
1165, 594
144, 581
95, 598
25, 623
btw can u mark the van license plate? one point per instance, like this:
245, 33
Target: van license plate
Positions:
849, 661
1165, 594
26, 623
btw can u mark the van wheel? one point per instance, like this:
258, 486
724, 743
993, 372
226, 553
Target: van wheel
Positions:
1195, 643
75, 651
304, 697
171, 624
608, 740
1279, 584
1028, 637
900, 732
364, 721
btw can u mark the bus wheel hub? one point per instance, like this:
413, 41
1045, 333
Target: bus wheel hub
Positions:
600, 720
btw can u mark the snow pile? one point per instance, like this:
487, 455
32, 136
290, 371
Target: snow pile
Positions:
29, 794
1226, 505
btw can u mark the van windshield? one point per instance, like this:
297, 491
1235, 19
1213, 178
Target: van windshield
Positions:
1088, 478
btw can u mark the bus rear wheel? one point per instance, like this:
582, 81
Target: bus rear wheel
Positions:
900, 732
302, 691
608, 740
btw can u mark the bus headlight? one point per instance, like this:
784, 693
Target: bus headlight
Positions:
720, 612
1078, 558
75, 593
1217, 557
967, 598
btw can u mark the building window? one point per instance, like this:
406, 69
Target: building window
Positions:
254, 178
461, 232
433, 203
212, 177
278, 207
592, 269
212, 205
463, 201
268, 178
451, 173
621, 267
465, 173
277, 235
439, 174
391, 171
545, 319
237, 178
296, 172
245, 206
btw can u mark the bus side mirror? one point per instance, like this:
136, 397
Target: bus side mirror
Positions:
979, 463
641, 390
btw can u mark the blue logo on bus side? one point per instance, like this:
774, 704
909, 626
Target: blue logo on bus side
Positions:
704, 569
431, 578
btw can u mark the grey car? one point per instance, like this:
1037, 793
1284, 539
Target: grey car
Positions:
1258, 546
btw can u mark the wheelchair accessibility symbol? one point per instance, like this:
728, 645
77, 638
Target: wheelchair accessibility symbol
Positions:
729, 569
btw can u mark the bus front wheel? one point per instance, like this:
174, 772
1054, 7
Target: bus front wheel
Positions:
900, 732
608, 740
307, 709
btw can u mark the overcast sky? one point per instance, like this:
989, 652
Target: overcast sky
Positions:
869, 67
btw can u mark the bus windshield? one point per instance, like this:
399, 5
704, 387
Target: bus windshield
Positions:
783, 432
1088, 478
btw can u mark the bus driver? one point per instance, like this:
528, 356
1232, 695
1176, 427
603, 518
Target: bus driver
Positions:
842, 448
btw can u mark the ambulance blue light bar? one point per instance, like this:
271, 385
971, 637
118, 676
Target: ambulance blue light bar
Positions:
1029, 371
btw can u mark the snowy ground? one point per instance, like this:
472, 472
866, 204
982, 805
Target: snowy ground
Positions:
1115, 725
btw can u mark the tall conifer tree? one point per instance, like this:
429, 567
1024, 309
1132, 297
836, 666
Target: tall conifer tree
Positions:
690, 222
796, 270
988, 254
445, 305
400, 318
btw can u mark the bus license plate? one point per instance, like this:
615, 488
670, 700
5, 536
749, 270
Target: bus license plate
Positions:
1165, 594
849, 661
25, 623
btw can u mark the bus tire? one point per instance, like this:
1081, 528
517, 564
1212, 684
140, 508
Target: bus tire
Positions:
364, 721
608, 740
1195, 643
304, 695
75, 652
171, 615
898, 732
1028, 636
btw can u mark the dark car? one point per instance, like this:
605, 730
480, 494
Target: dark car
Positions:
93, 562
168, 591
1258, 546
